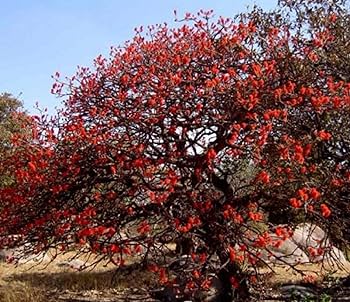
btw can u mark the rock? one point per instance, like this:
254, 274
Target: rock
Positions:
337, 254
309, 235
299, 292
6, 255
331, 254
75, 264
286, 253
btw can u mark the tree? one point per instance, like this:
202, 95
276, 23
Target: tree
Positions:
198, 135
13, 121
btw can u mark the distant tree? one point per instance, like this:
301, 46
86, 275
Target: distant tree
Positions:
12, 123
203, 135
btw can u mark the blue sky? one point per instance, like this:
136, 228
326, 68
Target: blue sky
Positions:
40, 37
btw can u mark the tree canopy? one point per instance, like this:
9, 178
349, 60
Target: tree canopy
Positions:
211, 134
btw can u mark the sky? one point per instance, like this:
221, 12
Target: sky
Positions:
40, 37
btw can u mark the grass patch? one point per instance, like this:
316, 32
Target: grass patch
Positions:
53, 283
21, 292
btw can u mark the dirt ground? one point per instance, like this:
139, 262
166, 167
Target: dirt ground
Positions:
49, 282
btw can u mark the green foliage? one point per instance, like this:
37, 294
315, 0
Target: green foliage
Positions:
10, 111
12, 117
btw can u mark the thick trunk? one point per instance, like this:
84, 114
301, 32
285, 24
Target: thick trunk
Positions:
232, 270
184, 246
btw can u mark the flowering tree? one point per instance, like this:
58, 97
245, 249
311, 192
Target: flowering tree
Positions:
202, 135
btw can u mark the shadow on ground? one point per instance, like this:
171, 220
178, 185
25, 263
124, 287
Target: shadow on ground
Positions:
108, 285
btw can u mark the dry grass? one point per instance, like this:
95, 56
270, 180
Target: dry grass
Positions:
42, 283
52, 283
318, 272
20, 292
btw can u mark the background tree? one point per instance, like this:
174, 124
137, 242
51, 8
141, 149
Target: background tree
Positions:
12, 120
152, 144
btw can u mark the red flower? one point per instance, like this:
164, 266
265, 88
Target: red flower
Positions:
138, 163
280, 231
138, 248
255, 216
264, 177
163, 277
31, 166
332, 18
299, 158
232, 253
326, 212
144, 228
307, 149
314, 194
298, 149
196, 274
295, 203
211, 154
206, 284
114, 248
303, 195
153, 268
303, 170
113, 170
323, 135
234, 282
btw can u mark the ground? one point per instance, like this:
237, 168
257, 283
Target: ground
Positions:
39, 283
50, 282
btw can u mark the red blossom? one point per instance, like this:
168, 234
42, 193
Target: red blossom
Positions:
32, 166
234, 282
323, 135
314, 194
264, 177
211, 154
295, 203
326, 212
